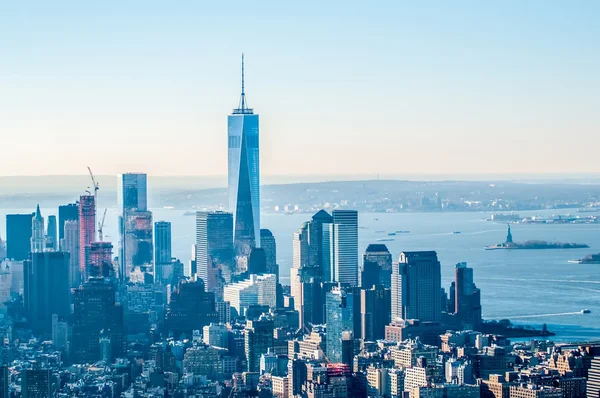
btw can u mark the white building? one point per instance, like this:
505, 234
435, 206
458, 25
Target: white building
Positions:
258, 290
215, 335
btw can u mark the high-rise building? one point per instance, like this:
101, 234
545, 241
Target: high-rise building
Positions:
467, 297
340, 247
46, 289
135, 224
300, 260
2, 249
162, 242
38, 243
417, 287
18, 236
374, 312
138, 241
340, 325
257, 290
70, 244
593, 383
214, 249
258, 340
69, 212
377, 267
267, 242
315, 236
37, 383
244, 175
96, 315
191, 308
100, 260
4, 382
51, 235
87, 231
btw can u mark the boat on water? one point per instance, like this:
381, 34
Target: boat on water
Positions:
385, 240
392, 234
456, 232
375, 219
589, 259
533, 244
585, 311
402, 232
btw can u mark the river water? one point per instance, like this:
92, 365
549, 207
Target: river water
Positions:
527, 286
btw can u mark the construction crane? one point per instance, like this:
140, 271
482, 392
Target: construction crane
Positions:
96, 188
101, 226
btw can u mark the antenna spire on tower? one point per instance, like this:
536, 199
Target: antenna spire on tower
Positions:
242, 108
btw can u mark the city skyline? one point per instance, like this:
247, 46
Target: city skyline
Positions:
530, 85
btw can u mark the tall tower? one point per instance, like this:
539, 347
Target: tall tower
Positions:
340, 247
214, 249
87, 232
37, 232
244, 175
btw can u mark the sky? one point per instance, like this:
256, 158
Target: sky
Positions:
342, 87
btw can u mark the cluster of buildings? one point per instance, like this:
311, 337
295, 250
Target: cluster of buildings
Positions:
78, 320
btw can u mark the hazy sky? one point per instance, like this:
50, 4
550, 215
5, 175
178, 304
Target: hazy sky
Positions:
341, 87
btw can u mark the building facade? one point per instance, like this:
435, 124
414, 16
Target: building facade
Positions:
214, 249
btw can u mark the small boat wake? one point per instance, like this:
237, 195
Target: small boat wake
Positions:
497, 318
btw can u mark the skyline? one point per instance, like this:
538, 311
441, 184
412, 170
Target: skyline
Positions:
493, 99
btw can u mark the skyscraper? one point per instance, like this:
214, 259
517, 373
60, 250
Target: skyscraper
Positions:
46, 289
191, 308
417, 287
267, 242
258, 339
377, 267
69, 212
100, 260
340, 323
467, 297
214, 249
244, 175
51, 235
340, 247
135, 223
257, 261
374, 312
87, 231
37, 232
18, 236
70, 243
37, 383
162, 248
95, 315
315, 236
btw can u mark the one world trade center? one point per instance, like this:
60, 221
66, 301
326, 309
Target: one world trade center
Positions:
244, 175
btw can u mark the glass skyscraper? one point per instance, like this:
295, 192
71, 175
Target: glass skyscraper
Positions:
244, 175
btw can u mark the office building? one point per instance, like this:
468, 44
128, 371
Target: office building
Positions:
300, 261
257, 290
374, 312
51, 234
162, 242
100, 260
339, 316
416, 287
267, 243
4, 381
377, 267
18, 236
593, 383
46, 289
135, 224
87, 231
138, 241
467, 297
534, 391
214, 249
38, 383
191, 308
216, 335
244, 175
257, 261
96, 315
68, 212
340, 247
38, 243
2, 249
258, 340
70, 244
315, 237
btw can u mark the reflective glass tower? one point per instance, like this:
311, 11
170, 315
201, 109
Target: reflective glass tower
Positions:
244, 175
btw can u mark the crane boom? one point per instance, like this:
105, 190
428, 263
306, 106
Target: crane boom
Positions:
96, 188
101, 226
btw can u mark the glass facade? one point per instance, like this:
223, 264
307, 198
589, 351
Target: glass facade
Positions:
244, 179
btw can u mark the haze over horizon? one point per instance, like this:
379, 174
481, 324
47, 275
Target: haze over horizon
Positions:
396, 89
